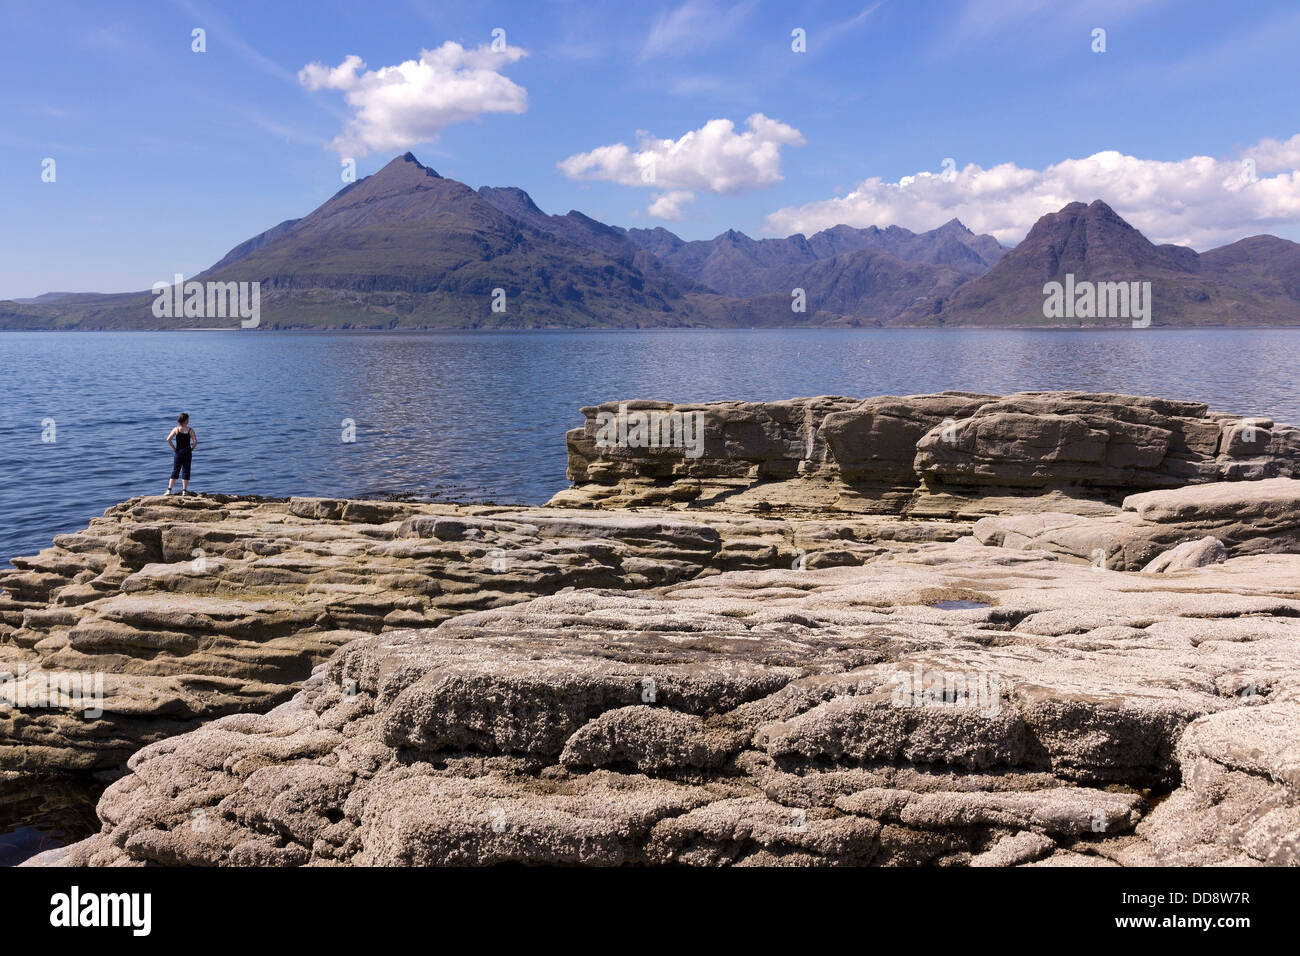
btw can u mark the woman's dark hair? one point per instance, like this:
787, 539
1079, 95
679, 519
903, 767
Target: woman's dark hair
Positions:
182, 418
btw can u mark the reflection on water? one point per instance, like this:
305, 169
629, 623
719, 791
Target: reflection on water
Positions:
40, 814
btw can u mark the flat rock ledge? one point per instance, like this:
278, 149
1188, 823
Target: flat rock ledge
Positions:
1164, 530
1054, 629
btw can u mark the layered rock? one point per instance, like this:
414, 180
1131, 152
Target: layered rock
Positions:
950, 454
180, 610
841, 716
1196, 553
1249, 517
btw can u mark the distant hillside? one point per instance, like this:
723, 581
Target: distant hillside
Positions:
736, 265
868, 276
48, 297
406, 248
1252, 282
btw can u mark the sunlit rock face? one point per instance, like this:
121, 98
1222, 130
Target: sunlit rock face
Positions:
951, 454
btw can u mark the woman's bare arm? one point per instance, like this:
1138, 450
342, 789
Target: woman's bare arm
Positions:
170, 435
194, 439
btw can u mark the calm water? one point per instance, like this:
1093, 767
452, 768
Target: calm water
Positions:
482, 416
38, 815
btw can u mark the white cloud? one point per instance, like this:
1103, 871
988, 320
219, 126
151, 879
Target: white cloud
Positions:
1199, 201
714, 158
669, 205
395, 107
1273, 155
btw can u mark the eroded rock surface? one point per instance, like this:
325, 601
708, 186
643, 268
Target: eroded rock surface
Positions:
816, 717
950, 454
187, 609
1244, 517
1188, 555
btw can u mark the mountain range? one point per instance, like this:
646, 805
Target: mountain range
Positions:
1254, 281
407, 248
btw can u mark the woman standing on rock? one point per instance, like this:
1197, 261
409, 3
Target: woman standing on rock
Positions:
183, 440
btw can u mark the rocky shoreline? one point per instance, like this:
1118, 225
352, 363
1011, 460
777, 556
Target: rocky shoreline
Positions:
955, 629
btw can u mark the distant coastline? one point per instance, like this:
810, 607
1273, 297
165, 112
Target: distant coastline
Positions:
848, 329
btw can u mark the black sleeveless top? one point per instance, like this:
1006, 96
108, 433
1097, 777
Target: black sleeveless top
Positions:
182, 443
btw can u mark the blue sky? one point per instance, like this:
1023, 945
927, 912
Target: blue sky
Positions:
166, 158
